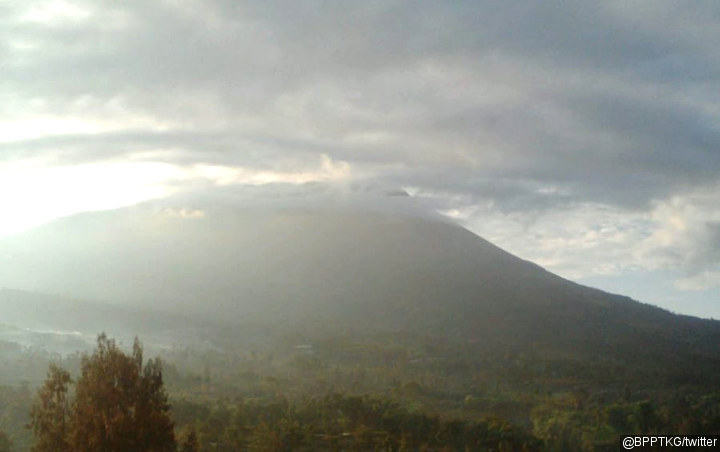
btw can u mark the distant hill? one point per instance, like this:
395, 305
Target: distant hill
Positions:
338, 270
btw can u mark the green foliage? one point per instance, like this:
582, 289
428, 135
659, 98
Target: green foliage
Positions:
601, 425
5, 443
189, 442
337, 422
394, 392
15, 405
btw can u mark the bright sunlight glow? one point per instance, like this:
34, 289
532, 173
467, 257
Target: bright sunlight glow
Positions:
31, 194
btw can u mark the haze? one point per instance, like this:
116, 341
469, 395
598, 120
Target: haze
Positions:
582, 136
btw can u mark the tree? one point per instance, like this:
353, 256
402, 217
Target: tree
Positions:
49, 416
119, 405
190, 443
5, 443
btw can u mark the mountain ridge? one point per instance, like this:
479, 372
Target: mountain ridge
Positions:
344, 272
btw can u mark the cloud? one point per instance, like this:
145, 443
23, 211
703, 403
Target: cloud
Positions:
563, 130
704, 280
679, 236
329, 171
32, 193
688, 236
185, 212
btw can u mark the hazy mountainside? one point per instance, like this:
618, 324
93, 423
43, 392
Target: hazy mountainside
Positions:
67, 325
337, 271
252, 263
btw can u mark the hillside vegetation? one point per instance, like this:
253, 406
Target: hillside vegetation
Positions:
311, 329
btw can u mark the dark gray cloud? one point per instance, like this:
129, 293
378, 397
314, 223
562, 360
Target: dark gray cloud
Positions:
400, 70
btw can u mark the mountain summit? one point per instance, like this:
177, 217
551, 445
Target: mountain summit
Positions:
341, 270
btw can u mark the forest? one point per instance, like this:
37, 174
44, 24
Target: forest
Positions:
295, 392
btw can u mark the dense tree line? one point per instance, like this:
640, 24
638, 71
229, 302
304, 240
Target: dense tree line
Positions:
119, 404
575, 422
388, 396
342, 422
5, 443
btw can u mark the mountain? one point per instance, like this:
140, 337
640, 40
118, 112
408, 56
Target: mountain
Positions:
334, 270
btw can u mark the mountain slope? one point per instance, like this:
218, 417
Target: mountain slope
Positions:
343, 271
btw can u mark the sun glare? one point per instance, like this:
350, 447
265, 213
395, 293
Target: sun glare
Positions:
31, 194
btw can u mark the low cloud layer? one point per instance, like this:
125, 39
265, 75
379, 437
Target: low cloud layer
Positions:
584, 136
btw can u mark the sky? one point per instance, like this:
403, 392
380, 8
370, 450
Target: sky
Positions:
584, 135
